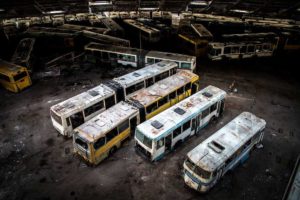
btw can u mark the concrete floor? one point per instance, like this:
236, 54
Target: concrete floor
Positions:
37, 163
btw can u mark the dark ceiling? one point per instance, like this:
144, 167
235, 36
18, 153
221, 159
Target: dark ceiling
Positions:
267, 8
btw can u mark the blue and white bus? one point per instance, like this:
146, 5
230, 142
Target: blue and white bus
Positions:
164, 132
222, 151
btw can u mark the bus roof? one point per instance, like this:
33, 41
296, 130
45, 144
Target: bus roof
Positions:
98, 126
141, 26
10, 68
231, 137
191, 106
171, 56
80, 101
144, 73
202, 31
111, 48
148, 95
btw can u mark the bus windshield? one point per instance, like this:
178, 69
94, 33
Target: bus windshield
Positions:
20, 76
199, 171
56, 117
146, 141
81, 143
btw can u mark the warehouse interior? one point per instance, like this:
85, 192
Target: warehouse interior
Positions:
60, 60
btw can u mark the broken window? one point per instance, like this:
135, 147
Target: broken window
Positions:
187, 87
186, 125
213, 107
163, 101
56, 117
81, 143
99, 143
177, 132
205, 113
20, 76
151, 107
149, 82
109, 102
111, 134
180, 91
150, 61
122, 127
93, 108
172, 95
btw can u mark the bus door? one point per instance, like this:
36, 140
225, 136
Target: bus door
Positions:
168, 142
133, 123
194, 88
77, 119
221, 107
198, 124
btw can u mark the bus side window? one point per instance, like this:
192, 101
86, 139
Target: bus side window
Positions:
205, 113
172, 95
109, 102
187, 87
227, 50
186, 125
213, 107
122, 127
149, 82
93, 108
255, 137
4, 77
180, 91
177, 132
151, 107
111, 134
99, 143
162, 101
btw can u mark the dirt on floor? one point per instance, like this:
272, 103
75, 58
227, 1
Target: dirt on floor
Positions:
37, 163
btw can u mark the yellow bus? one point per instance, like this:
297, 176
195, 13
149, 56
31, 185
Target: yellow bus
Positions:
164, 93
103, 135
13, 77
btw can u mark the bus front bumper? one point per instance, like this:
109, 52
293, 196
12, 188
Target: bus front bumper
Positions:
194, 183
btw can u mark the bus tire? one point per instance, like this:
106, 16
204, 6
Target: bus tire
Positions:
112, 150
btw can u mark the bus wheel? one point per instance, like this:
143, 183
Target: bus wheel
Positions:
112, 150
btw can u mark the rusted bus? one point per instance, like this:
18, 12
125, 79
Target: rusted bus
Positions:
73, 112
146, 32
103, 135
165, 131
194, 39
22, 54
164, 93
223, 151
142, 78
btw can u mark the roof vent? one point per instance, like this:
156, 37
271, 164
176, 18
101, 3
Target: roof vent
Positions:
136, 74
161, 64
207, 94
217, 147
93, 93
152, 92
125, 108
156, 124
179, 111
162, 86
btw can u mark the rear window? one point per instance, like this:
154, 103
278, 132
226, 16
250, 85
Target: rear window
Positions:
20, 76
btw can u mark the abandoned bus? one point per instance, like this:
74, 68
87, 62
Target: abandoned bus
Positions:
142, 78
101, 136
146, 32
22, 54
292, 191
194, 39
222, 151
164, 94
183, 61
13, 77
244, 46
114, 55
71, 113
164, 132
